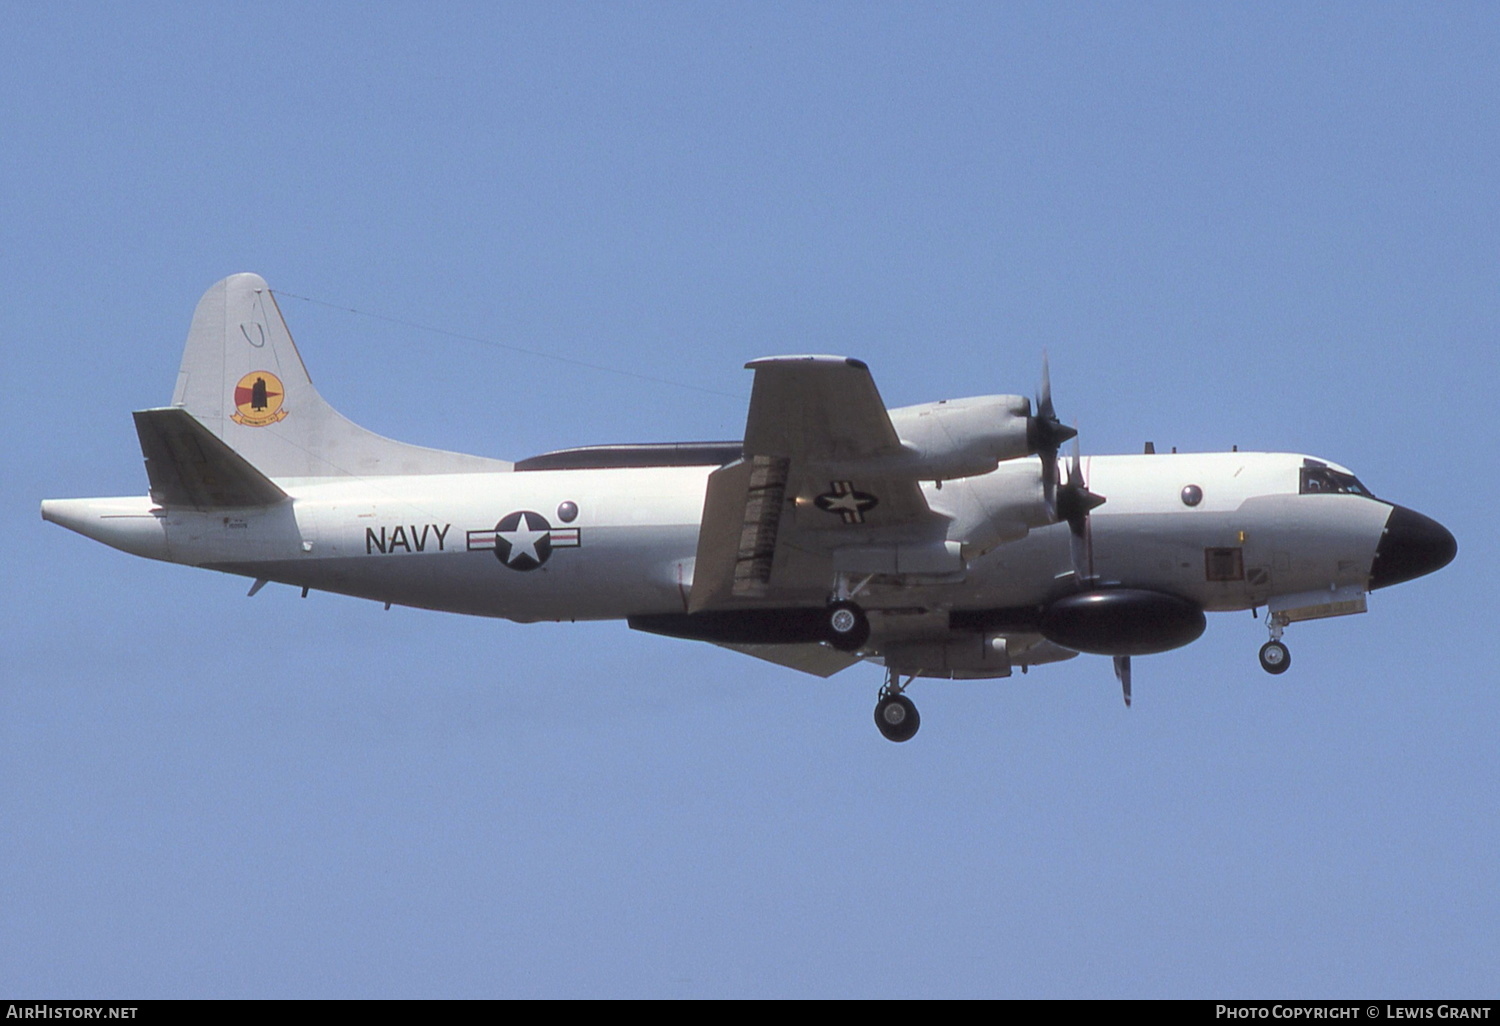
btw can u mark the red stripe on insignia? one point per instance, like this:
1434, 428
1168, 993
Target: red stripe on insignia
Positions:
244, 395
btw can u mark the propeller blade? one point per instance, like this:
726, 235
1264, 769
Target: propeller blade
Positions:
1046, 413
1074, 504
1046, 434
1122, 671
1049, 482
1044, 408
1083, 555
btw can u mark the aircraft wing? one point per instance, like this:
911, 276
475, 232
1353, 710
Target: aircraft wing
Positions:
825, 484
817, 407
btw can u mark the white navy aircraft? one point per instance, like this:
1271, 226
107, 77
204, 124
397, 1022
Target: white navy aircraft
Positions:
946, 540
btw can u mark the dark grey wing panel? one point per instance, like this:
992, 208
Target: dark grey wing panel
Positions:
190, 467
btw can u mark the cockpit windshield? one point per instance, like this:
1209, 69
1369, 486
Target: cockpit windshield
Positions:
1321, 479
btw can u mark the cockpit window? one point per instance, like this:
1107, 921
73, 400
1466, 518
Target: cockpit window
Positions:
1324, 480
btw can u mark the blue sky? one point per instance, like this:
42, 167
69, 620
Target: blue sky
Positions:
1271, 226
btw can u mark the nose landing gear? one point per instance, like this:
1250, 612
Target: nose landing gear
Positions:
1274, 656
895, 714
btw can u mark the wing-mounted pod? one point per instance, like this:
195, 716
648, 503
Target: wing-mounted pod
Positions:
1122, 622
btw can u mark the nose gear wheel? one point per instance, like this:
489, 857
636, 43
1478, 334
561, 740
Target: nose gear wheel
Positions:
1274, 657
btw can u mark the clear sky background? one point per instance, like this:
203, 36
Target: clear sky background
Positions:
1270, 225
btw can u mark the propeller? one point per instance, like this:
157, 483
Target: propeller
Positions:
1070, 501
1045, 434
1073, 503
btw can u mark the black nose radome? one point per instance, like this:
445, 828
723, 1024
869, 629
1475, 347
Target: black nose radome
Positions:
1412, 545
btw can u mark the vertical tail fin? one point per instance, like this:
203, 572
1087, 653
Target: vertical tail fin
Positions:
243, 378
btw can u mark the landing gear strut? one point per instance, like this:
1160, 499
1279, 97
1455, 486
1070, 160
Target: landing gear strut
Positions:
895, 714
1274, 656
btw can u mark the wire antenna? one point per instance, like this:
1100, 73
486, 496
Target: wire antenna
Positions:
478, 340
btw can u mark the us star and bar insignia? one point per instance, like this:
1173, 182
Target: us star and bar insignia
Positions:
523, 540
851, 505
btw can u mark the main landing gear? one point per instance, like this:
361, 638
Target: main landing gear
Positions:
895, 714
847, 626
1274, 656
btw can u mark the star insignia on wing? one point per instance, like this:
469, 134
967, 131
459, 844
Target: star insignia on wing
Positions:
843, 499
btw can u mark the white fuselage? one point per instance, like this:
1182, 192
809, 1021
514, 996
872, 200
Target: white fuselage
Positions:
430, 541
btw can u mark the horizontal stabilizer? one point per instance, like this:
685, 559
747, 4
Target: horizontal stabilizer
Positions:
189, 467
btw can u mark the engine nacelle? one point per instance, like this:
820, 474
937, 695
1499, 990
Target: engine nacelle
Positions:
958, 438
1122, 622
992, 509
